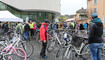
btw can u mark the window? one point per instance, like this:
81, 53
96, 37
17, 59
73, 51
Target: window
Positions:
103, 20
2, 6
95, 10
95, 2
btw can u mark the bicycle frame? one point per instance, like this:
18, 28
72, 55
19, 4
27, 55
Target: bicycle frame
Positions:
78, 51
55, 35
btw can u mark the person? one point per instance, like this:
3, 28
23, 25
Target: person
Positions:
54, 26
39, 25
95, 37
19, 27
65, 25
81, 26
27, 31
5, 27
44, 38
84, 26
31, 24
77, 28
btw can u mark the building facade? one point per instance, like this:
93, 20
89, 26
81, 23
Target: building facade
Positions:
81, 16
34, 9
97, 6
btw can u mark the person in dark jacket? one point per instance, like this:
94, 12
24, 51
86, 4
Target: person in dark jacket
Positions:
81, 27
95, 37
27, 31
5, 27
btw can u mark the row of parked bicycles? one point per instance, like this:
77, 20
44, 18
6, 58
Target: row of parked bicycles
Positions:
74, 47
14, 47
65, 44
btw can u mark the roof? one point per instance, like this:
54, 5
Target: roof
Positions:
82, 10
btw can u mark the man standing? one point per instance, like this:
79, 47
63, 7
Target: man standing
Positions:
44, 38
27, 31
95, 37
31, 24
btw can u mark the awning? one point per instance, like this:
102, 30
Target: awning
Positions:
7, 16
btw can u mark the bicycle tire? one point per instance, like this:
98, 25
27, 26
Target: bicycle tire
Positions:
19, 54
85, 54
50, 47
59, 52
103, 50
13, 56
27, 47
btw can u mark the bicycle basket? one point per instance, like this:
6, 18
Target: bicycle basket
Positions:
76, 41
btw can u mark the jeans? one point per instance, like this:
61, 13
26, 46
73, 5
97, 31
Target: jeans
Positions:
95, 50
27, 35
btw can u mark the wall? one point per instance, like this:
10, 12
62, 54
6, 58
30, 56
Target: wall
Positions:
100, 6
32, 5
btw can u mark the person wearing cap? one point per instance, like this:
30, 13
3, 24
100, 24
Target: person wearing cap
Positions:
44, 38
95, 37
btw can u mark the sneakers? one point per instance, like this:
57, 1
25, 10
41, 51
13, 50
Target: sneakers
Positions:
45, 57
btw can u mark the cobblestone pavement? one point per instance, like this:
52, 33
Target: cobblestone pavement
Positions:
51, 56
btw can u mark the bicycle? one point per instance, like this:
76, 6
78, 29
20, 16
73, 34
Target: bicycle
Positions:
72, 51
18, 42
10, 49
26, 46
53, 42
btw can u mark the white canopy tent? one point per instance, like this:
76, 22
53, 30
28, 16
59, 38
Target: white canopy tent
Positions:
7, 16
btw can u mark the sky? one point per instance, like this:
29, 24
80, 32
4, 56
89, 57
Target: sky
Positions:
71, 6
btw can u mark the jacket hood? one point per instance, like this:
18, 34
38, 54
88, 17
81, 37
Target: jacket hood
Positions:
96, 20
44, 23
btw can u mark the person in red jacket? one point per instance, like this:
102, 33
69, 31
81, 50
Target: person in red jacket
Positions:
44, 38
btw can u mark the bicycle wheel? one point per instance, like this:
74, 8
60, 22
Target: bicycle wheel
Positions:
103, 50
59, 52
27, 47
85, 54
19, 54
51, 46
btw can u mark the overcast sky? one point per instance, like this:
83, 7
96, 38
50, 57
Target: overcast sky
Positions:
71, 6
